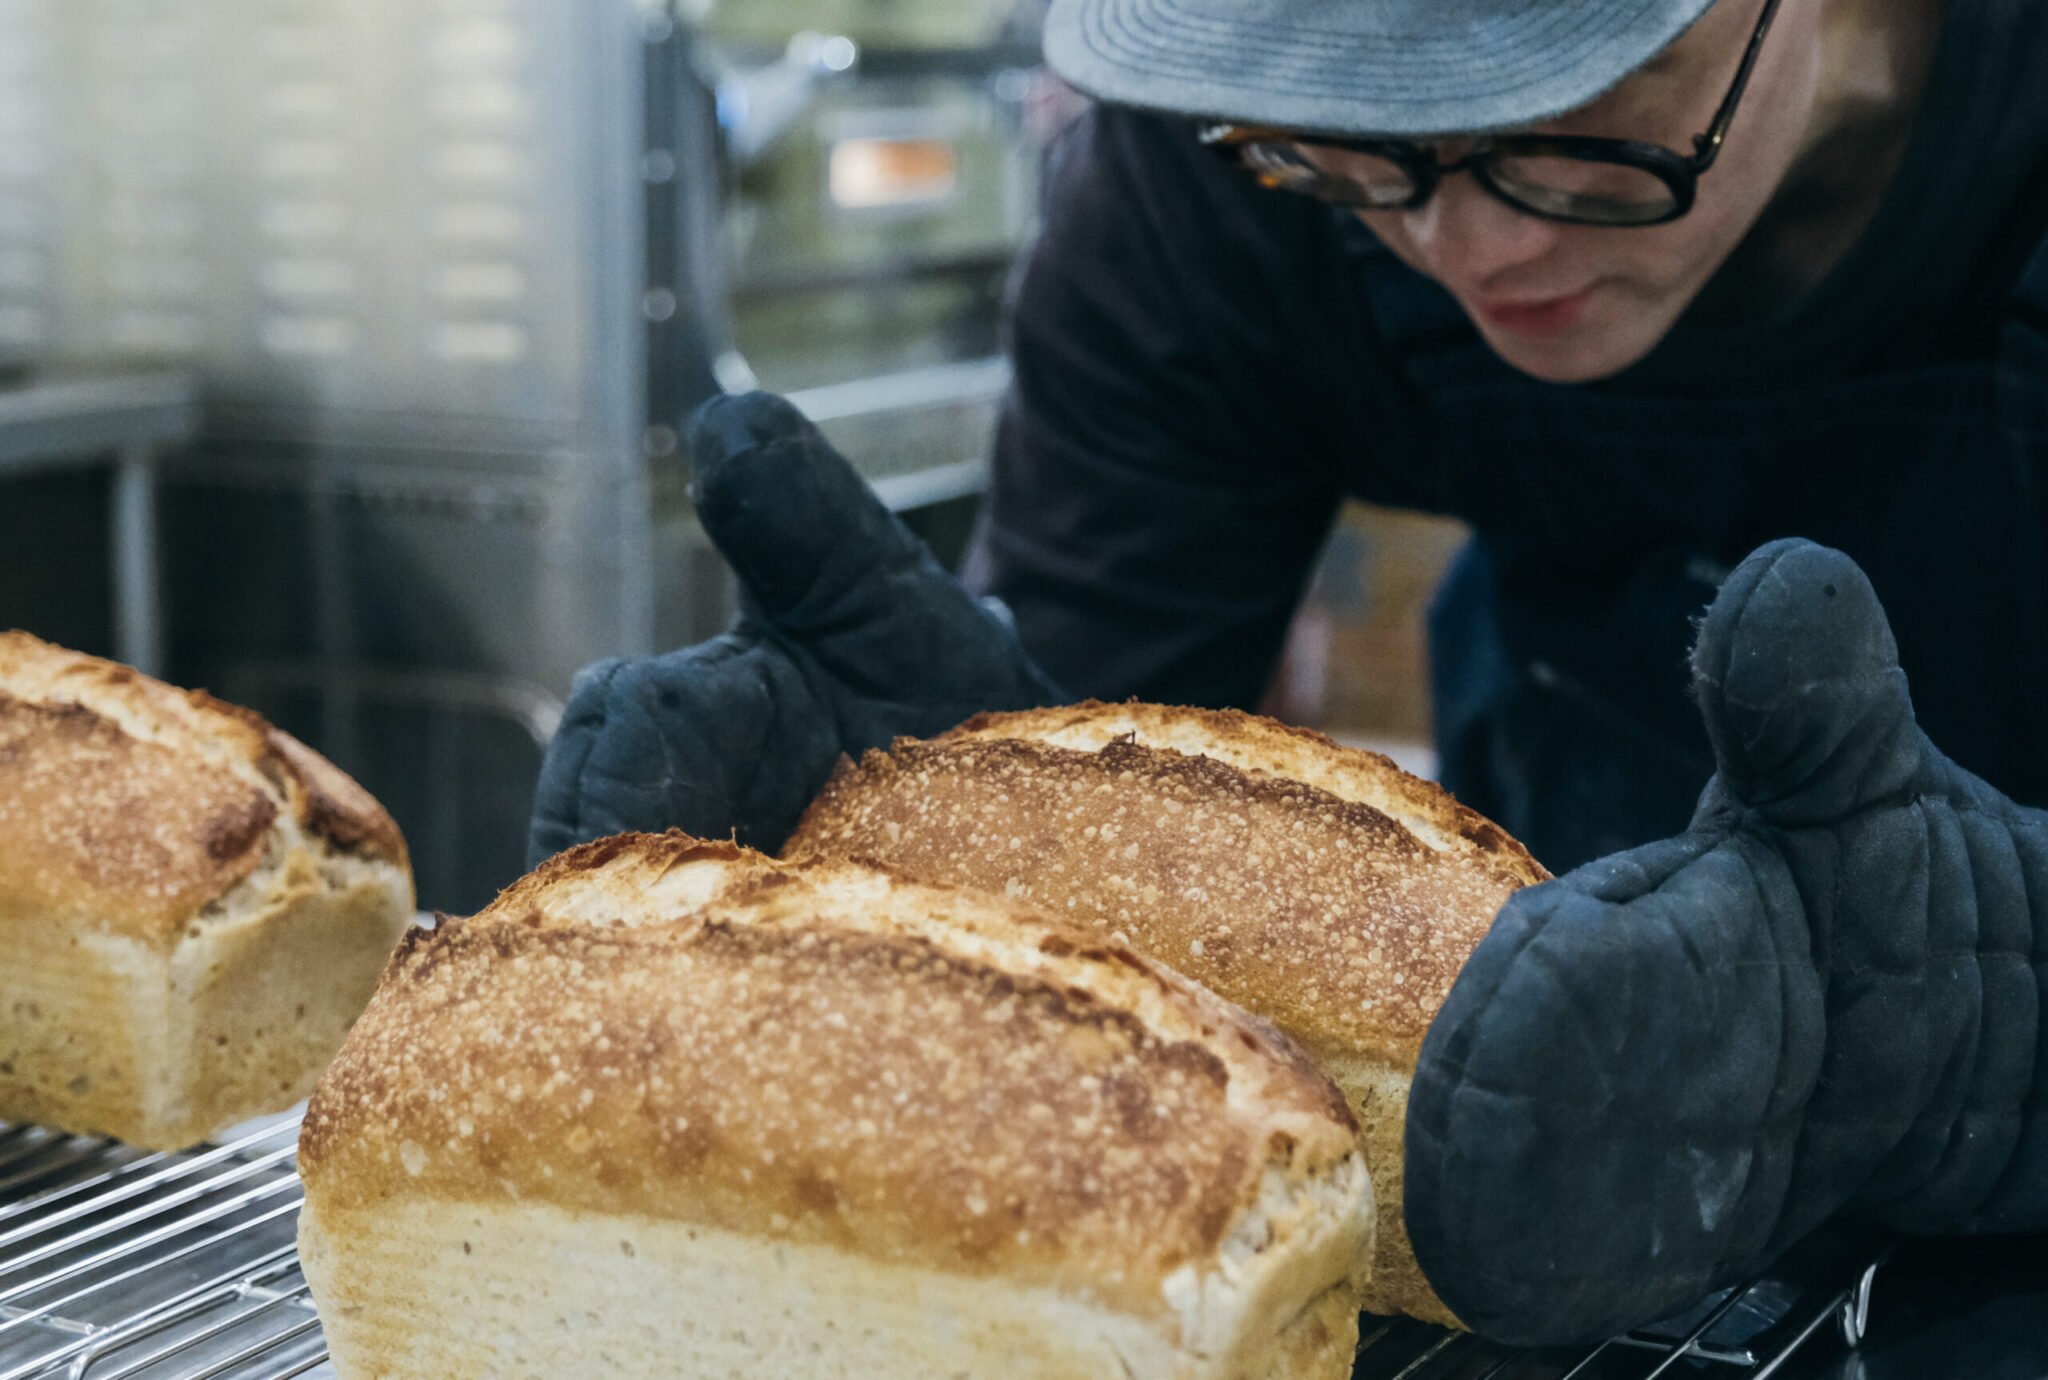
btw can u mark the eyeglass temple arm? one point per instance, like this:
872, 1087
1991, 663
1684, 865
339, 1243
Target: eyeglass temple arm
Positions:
1707, 147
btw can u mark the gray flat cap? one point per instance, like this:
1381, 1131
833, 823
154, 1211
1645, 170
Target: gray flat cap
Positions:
1360, 66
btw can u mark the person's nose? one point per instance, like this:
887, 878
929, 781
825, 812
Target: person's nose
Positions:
1466, 237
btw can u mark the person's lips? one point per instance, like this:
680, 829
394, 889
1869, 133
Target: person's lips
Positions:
1543, 317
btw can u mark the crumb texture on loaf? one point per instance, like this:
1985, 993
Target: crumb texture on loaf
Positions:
134, 804
1317, 886
838, 1064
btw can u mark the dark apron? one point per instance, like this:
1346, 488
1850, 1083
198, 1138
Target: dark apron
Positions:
1604, 522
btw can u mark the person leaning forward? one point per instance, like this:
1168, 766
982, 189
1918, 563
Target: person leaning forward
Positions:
1734, 305
1841, 338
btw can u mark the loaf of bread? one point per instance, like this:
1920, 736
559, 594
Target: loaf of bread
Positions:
1318, 886
193, 906
669, 1108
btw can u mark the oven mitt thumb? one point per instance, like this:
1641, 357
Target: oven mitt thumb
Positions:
1660, 1070
849, 634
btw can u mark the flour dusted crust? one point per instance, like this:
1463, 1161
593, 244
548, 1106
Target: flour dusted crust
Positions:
195, 905
1265, 747
818, 1116
1318, 886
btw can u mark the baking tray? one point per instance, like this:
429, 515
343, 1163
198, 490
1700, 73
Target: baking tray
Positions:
121, 1264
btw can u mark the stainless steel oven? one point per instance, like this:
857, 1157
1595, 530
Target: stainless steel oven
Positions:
448, 276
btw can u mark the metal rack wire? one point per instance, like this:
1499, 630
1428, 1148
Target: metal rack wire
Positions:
1770, 1319
120, 1264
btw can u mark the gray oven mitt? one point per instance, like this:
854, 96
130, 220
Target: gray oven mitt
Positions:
1659, 1071
849, 634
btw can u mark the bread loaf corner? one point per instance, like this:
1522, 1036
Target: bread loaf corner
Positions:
195, 904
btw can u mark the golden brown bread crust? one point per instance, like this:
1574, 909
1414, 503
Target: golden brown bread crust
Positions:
1321, 914
1260, 745
135, 804
1315, 885
96, 823
821, 1053
330, 804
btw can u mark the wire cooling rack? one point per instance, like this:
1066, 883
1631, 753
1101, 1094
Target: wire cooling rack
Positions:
1748, 1333
120, 1264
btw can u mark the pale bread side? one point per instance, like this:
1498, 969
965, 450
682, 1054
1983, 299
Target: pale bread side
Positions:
818, 1104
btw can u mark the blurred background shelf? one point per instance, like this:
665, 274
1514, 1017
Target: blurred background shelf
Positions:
436, 285
440, 283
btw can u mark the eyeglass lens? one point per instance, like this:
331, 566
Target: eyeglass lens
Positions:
1579, 188
1343, 177
1548, 184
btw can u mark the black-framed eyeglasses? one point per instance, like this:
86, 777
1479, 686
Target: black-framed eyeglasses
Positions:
1577, 179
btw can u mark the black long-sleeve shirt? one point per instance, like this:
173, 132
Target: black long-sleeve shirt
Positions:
1200, 381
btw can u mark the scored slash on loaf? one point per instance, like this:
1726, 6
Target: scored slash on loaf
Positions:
670, 1108
194, 906
1315, 885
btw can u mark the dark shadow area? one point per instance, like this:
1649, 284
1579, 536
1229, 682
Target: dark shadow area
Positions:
55, 574
945, 527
